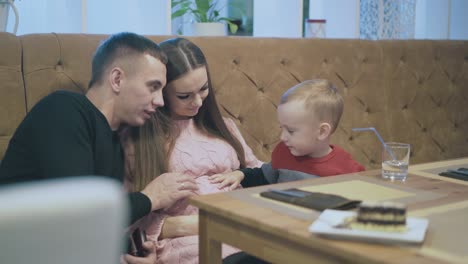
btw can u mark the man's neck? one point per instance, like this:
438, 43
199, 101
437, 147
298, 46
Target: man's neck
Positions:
104, 101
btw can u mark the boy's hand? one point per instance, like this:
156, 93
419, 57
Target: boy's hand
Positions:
231, 179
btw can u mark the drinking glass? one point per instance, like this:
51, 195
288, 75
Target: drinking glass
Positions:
395, 160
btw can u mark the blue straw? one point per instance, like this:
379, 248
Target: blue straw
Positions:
380, 138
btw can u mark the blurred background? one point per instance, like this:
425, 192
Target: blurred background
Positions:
366, 19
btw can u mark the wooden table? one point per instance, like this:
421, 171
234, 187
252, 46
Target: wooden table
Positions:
278, 232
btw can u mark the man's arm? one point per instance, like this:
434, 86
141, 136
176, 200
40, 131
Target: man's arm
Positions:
66, 149
140, 205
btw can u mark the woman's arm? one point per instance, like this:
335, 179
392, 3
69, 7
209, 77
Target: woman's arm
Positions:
177, 226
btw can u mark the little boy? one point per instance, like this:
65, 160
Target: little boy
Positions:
308, 115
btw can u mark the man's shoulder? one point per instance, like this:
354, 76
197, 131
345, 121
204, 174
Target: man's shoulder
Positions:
62, 102
64, 97
62, 108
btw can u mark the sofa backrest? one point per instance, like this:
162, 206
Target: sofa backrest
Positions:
412, 91
12, 97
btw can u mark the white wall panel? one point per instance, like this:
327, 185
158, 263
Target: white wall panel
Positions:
278, 18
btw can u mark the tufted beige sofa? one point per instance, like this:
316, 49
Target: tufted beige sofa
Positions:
411, 91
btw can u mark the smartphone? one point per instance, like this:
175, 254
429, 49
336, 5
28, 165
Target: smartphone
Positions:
136, 243
291, 192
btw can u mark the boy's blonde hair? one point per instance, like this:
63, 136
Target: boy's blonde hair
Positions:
320, 97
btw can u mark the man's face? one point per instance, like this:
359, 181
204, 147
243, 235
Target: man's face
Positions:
299, 128
185, 95
141, 90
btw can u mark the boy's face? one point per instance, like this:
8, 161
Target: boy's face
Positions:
299, 129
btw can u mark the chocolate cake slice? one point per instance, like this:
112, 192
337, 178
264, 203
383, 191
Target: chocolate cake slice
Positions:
380, 216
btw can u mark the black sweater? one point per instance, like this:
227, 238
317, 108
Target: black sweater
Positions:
66, 135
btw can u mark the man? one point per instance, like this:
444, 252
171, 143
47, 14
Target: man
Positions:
70, 134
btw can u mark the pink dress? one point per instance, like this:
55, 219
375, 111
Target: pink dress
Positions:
200, 156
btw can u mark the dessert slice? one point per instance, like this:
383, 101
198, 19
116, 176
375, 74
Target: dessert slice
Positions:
380, 216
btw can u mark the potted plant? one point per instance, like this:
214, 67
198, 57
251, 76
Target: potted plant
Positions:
206, 15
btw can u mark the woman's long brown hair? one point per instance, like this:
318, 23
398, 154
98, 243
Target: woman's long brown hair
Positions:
154, 141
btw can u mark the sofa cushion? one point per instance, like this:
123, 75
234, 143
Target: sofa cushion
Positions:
12, 99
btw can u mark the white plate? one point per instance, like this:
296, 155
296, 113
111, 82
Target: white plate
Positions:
324, 225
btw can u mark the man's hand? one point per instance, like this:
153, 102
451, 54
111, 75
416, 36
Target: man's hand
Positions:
231, 179
149, 259
168, 188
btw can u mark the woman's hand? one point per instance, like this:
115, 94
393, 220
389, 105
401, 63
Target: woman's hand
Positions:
231, 179
177, 226
149, 259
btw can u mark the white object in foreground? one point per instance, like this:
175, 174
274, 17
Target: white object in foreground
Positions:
70, 220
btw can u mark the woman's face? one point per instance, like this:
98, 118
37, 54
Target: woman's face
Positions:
184, 96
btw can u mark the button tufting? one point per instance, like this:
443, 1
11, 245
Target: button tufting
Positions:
59, 66
236, 61
404, 107
283, 61
261, 89
350, 138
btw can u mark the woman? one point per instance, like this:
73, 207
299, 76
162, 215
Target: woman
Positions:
188, 135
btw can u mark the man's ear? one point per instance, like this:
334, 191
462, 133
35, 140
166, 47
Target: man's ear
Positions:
325, 130
115, 79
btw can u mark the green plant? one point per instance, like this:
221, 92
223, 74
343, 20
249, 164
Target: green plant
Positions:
203, 11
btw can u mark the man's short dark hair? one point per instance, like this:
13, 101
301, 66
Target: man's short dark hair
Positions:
121, 45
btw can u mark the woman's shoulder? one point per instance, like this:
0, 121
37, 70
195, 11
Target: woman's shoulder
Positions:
230, 124
228, 120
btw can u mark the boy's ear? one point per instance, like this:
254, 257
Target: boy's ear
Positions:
325, 131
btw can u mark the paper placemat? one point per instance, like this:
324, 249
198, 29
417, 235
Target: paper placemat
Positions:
354, 190
357, 187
